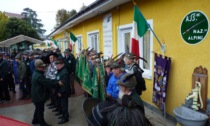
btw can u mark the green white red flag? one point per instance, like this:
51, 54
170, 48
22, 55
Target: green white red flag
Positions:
139, 29
73, 38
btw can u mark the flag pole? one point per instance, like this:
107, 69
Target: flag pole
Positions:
163, 49
134, 2
82, 45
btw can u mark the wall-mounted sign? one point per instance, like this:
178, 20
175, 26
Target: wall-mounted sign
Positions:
194, 27
107, 34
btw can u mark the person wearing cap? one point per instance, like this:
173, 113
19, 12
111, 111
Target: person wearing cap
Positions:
51, 72
40, 91
134, 68
70, 63
108, 70
27, 61
21, 70
9, 79
4, 92
117, 72
32, 63
58, 52
130, 109
127, 86
64, 91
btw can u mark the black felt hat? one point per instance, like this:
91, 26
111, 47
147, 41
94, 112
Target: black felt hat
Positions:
127, 80
59, 60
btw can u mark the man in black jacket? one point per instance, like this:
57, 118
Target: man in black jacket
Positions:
41, 91
4, 92
64, 91
70, 64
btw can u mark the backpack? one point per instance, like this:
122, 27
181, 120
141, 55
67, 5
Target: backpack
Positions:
141, 85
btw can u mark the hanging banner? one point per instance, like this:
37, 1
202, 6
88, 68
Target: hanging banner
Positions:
107, 35
161, 74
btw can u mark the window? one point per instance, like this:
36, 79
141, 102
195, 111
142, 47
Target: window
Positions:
145, 46
66, 44
127, 38
93, 40
124, 37
79, 45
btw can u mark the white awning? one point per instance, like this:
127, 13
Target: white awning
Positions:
17, 39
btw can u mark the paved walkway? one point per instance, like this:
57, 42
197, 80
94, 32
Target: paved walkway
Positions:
23, 111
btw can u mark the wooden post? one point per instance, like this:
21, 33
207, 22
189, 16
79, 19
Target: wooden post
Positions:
201, 74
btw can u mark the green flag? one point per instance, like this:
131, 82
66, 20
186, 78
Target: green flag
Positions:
140, 21
81, 66
102, 84
77, 71
72, 37
55, 42
48, 44
139, 29
95, 82
87, 84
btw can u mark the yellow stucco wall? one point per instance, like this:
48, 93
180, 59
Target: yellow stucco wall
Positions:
167, 16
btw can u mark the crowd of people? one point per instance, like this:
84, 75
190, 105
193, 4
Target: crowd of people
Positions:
40, 74
49, 74
119, 88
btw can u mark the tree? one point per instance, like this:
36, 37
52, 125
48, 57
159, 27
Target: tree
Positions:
3, 21
62, 16
30, 17
15, 27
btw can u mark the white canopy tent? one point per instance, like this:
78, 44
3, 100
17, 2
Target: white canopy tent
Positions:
17, 39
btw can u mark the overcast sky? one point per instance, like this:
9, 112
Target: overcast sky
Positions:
45, 9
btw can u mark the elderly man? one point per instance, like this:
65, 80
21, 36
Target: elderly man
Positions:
40, 91
64, 91
127, 91
131, 108
128, 110
117, 72
136, 70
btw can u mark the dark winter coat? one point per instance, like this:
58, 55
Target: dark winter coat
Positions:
63, 76
40, 91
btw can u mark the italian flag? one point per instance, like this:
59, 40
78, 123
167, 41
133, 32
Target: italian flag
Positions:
54, 41
73, 38
139, 29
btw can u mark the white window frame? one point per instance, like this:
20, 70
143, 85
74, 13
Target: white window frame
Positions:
77, 43
66, 44
121, 46
147, 72
121, 30
89, 34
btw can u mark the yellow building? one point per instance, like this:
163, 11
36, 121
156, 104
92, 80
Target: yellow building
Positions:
167, 18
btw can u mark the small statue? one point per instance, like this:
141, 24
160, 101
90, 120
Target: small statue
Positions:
194, 95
